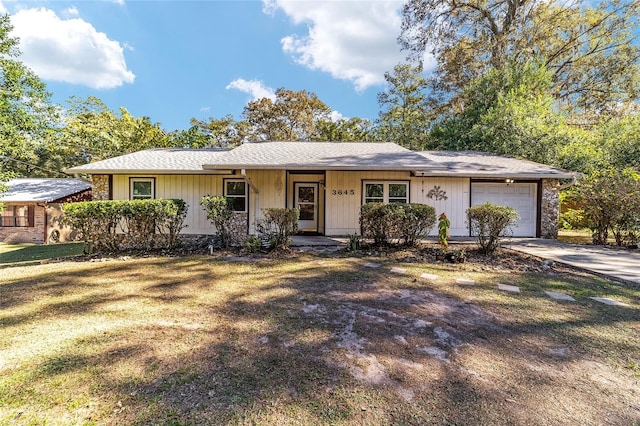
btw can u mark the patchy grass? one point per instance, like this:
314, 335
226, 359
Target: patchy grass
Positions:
15, 253
311, 340
580, 236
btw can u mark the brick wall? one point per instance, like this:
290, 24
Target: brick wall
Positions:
28, 234
550, 209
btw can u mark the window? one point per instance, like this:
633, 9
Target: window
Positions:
236, 193
17, 216
386, 192
142, 188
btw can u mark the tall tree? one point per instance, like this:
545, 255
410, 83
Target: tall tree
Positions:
591, 51
507, 112
354, 129
223, 132
405, 113
26, 113
93, 132
292, 116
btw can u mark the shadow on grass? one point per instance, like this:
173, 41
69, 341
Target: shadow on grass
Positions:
316, 344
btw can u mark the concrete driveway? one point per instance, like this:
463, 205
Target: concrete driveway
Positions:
617, 264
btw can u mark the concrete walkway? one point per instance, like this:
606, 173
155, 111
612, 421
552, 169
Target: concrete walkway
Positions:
617, 264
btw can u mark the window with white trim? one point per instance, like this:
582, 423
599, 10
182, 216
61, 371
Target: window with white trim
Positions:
235, 191
142, 188
385, 192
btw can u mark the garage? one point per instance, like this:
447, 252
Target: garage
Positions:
520, 196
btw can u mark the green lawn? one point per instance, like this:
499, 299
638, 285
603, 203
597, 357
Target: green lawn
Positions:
313, 340
14, 253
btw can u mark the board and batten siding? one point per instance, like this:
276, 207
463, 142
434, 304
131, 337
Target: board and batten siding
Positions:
272, 193
343, 206
190, 188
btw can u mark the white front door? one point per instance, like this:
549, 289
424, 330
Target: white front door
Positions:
306, 200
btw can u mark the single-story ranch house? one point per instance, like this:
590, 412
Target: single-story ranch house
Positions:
33, 209
329, 181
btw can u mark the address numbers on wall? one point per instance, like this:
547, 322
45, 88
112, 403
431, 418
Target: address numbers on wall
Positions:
343, 192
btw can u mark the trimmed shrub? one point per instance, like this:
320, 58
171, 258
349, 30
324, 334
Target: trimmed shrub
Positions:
402, 223
416, 221
135, 224
220, 215
277, 226
490, 223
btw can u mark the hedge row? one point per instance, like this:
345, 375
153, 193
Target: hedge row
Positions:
396, 222
127, 224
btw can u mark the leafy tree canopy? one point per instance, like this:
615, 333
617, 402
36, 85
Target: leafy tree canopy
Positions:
405, 114
292, 116
590, 52
26, 113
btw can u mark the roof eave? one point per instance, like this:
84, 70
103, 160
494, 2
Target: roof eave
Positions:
498, 175
150, 171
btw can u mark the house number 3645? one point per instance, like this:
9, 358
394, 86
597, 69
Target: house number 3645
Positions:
343, 192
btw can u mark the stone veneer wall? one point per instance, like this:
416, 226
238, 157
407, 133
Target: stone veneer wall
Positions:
238, 228
100, 187
550, 209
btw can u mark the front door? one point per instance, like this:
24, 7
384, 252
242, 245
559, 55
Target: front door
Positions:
306, 200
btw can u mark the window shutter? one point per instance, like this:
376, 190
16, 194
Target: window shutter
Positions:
30, 215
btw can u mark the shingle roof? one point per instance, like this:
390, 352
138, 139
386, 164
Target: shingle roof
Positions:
483, 165
42, 190
157, 160
321, 156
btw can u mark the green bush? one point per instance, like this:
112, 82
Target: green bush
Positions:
220, 215
403, 223
277, 226
252, 244
490, 223
611, 202
135, 224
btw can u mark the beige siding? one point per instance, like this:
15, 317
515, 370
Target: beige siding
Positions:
343, 205
190, 188
340, 198
272, 193
455, 206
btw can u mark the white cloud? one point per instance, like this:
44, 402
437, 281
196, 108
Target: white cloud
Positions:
120, 2
69, 50
255, 88
352, 40
72, 11
337, 116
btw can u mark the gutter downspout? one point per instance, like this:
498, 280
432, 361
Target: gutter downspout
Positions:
567, 185
248, 181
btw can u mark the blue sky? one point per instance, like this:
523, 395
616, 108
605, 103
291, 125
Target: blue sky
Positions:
173, 60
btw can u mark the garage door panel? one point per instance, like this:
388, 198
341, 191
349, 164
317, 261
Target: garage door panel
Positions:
519, 196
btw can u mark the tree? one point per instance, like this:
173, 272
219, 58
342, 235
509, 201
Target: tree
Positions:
26, 113
292, 116
224, 132
610, 199
93, 132
345, 130
620, 141
405, 113
590, 51
507, 112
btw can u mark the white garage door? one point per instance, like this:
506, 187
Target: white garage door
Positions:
520, 196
